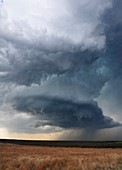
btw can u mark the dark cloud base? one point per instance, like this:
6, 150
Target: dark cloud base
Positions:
64, 113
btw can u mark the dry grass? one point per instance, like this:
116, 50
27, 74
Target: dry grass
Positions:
16, 157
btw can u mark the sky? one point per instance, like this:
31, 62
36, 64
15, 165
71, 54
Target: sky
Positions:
60, 69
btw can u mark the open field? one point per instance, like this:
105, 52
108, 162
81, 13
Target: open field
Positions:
81, 144
25, 157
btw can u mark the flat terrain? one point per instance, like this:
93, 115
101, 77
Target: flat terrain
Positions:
28, 157
79, 144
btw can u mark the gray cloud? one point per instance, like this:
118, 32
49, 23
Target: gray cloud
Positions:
27, 70
32, 53
70, 52
110, 98
64, 113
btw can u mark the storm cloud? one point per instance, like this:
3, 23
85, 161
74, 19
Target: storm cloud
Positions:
60, 65
53, 47
64, 113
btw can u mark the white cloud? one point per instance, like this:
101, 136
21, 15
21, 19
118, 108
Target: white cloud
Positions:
76, 24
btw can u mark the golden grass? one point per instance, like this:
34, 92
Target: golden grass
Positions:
17, 157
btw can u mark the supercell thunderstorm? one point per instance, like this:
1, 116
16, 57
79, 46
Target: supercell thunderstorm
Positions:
60, 65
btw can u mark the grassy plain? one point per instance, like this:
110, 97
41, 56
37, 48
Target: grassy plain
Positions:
25, 157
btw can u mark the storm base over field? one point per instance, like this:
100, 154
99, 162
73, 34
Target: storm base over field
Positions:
60, 69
